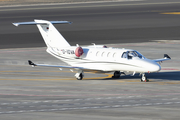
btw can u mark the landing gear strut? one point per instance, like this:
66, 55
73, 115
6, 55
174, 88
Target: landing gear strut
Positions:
117, 74
144, 78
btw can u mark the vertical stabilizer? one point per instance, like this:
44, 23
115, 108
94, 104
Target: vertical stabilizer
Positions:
50, 34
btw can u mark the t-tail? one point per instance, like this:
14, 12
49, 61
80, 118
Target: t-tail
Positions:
50, 34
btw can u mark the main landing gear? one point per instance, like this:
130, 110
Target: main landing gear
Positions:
79, 75
117, 74
144, 78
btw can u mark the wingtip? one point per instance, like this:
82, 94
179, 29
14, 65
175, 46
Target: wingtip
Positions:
167, 56
15, 24
31, 63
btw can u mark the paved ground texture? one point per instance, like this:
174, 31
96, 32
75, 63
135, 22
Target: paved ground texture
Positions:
23, 2
48, 93
150, 27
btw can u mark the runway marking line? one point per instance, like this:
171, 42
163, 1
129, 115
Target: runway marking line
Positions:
171, 13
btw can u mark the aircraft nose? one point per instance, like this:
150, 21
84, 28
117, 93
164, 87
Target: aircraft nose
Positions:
154, 67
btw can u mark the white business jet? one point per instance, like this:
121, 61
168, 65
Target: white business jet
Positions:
94, 58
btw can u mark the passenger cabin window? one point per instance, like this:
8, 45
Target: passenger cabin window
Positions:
102, 55
114, 55
108, 55
97, 53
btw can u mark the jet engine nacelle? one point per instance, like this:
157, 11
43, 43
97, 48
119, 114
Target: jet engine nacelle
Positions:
79, 51
73, 51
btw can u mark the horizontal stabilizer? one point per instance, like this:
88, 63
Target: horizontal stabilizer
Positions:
41, 23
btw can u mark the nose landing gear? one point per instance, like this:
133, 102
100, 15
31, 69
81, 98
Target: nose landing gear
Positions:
117, 74
144, 78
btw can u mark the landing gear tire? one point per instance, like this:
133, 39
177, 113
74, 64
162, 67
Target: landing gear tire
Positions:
117, 74
80, 76
144, 78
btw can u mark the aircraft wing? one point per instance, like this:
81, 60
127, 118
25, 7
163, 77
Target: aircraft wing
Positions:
67, 67
46, 65
166, 57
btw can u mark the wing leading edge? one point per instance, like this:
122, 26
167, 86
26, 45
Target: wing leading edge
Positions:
46, 65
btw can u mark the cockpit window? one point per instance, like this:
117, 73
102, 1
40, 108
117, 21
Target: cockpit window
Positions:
132, 54
124, 55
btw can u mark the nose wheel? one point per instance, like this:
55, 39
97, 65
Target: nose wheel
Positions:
144, 78
117, 74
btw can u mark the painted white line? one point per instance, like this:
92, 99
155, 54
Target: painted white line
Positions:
174, 98
158, 103
67, 100
147, 104
106, 106
53, 109
95, 107
14, 103
21, 111
32, 110
137, 105
77, 99
126, 105
168, 103
10, 112
24, 102
37, 102
5, 103
116, 106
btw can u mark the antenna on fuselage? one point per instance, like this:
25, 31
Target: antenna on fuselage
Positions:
94, 44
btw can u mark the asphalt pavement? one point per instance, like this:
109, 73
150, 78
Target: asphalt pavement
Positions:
100, 23
148, 26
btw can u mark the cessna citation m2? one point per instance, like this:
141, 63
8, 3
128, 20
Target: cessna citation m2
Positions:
94, 58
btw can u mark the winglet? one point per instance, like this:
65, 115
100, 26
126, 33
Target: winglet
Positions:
31, 63
15, 24
166, 56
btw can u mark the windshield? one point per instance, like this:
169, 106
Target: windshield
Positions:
132, 54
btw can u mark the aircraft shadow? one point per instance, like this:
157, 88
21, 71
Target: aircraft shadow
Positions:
174, 75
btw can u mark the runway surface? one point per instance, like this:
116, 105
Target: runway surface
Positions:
102, 23
40, 93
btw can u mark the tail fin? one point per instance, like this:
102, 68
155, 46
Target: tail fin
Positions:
49, 33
